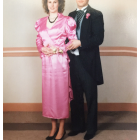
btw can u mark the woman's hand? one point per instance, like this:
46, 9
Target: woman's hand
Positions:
48, 51
74, 45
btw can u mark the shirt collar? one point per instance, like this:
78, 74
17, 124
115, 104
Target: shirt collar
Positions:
82, 8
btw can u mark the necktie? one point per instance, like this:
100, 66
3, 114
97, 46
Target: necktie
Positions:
80, 14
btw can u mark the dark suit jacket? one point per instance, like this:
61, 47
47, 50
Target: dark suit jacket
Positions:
92, 35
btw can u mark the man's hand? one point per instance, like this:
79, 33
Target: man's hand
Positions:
74, 45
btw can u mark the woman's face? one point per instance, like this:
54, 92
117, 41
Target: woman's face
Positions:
53, 6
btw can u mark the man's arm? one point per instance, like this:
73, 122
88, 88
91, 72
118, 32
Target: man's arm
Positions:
97, 34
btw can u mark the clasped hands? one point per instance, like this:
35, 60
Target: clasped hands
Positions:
51, 50
48, 50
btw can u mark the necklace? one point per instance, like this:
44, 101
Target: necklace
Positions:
52, 21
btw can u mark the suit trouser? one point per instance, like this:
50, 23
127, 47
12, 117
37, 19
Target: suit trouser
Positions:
82, 82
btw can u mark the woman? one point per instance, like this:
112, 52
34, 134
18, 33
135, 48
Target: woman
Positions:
56, 87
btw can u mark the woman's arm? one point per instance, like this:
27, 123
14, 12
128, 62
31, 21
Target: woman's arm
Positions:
71, 31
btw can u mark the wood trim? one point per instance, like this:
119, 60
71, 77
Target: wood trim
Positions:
37, 107
104, 51
117, 107
102, 126
118, 48
33, 107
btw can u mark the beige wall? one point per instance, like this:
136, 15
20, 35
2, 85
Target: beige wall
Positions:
22, 75
20, 16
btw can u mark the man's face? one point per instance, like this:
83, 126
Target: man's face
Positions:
82, 3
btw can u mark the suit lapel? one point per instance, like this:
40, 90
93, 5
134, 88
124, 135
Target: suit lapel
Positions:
85, 23
73, 14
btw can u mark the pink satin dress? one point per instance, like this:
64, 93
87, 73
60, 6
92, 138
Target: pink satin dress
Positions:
56, 84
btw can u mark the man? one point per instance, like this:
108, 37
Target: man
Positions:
85, 67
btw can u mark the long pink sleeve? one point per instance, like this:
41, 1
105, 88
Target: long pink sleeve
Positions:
70, 29
39, 42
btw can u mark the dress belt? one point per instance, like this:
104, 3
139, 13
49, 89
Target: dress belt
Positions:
58, 50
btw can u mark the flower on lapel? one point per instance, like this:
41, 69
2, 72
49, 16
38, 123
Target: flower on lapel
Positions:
87, 15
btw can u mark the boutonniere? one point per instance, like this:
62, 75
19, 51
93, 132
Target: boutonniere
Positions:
87, 15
